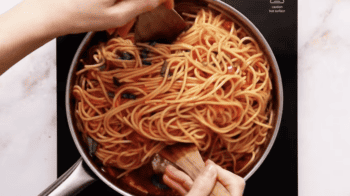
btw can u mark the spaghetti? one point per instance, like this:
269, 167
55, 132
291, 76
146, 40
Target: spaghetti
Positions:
211, 87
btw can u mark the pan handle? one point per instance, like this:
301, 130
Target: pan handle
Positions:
72, 181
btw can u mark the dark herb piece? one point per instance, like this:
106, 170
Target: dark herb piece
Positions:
131, 96
125, 56
116, 81
236, 136
146, 62
92, 145
146, 50
156, 181
111, 94
81, 65
152, 43
103, 67
164, 67
144, 55
128, 96
94, 82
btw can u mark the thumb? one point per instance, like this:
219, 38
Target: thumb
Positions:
204, 183
125, 11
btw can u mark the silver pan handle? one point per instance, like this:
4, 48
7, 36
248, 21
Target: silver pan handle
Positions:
72, 181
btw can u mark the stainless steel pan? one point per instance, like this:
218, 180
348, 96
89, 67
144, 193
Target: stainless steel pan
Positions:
85, 171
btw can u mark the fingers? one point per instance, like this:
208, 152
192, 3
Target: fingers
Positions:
92, 15
124, 30
174, 185
205, 182
179, 177
124, 11
232, 182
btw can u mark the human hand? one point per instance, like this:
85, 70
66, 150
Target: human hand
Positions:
77, 16
205, 182
32, 23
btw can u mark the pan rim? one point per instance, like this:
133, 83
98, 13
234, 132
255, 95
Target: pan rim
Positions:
74, 63
221, 5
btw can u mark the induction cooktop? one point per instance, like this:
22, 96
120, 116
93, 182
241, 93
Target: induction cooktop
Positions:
277, 21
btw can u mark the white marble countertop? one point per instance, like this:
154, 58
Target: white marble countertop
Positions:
28, 122
28, 108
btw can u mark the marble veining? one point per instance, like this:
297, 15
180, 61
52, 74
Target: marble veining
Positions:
28, 108
323, 92
28, 124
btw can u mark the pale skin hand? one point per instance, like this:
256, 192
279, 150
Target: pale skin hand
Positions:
204, 183
32, 23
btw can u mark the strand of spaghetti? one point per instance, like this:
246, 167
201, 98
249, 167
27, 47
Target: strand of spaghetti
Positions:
133, 119
103, 89
158, 147
91, 131
216, 129
200, 98
162, 127
184, 81
154, 49
219, 89
86, 100
149, 134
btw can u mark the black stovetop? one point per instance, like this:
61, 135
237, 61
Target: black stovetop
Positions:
277, 21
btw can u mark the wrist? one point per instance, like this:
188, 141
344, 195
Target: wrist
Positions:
32, 19
43, 19
23, 29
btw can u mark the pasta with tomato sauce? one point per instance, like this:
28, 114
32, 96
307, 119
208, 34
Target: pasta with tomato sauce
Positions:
210, 87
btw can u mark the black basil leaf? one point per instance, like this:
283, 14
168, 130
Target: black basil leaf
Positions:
127, 56
146, 62
144, 55
103, 67
116, 81
131, 96
152, 43
157, 182
128, 96
146, 50
111, 94
92, 146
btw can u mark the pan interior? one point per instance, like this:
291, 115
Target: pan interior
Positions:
93, 38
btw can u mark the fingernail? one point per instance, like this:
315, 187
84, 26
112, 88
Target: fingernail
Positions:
210, 170
207, 162
188, 185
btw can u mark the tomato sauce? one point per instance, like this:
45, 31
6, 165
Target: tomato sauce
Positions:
139, 181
